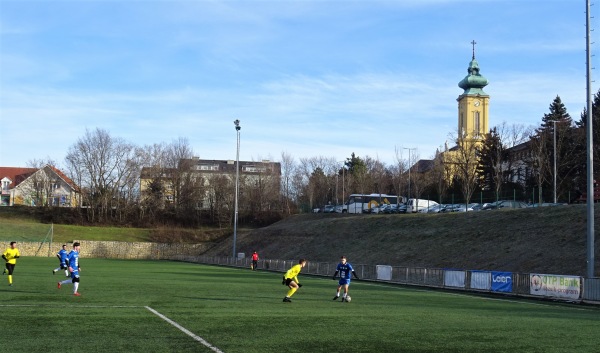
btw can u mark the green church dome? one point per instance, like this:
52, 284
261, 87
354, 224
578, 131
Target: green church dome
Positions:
473, 83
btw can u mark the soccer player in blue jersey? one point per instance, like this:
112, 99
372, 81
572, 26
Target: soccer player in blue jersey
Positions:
62, 257
73, 261
345, 271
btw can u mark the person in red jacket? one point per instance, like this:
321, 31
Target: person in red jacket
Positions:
254, 260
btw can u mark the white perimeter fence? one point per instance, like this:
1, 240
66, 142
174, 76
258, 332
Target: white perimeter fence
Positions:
536, 285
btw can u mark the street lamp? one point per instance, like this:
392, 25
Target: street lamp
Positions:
409, 167
554, 137
236, 122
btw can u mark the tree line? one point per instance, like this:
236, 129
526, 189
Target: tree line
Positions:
108, 170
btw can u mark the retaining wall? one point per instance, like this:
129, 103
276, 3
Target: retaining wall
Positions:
113, 249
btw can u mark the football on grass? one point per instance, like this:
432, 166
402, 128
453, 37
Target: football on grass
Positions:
348, 299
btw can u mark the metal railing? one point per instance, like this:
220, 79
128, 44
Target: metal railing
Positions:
559, 287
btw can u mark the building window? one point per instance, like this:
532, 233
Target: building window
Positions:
476, 122
207, 167
254, 169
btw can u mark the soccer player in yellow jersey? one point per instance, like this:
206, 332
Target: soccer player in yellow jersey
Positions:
290, 279
10, 256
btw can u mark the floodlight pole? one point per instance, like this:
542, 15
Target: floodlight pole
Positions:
590, 150
236, 122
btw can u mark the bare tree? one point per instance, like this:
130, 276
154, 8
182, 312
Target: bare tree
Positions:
464, 160
178, 160
288, 193
152, 179
439, 174
538, 160
102, 163
399, 172
40, 186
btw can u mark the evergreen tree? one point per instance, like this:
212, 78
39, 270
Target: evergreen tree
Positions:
582, 126
491, 160
560, 138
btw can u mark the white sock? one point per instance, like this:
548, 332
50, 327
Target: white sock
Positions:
75, 286
67, 273
338, 294
345, 295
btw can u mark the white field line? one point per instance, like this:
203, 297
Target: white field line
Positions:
186, 331
181, 328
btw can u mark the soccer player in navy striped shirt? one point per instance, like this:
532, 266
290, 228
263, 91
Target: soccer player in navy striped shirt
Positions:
62, 257
346, 271
73, 261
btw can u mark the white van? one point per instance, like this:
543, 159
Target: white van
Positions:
414, 205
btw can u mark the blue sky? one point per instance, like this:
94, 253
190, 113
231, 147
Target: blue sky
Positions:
309, 78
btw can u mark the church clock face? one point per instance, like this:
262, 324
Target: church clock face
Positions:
477, 103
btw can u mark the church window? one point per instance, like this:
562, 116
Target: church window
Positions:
477, 123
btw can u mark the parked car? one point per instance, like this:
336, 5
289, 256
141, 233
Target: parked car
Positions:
479, 206
545, 204
395, 208
433, 209
402, 208
414, 205
504, 204
464, 208
329, 209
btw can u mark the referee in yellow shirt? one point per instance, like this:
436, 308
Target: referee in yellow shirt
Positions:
10, 256
290, 279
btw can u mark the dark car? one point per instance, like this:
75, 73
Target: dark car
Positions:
329, 209
504, 204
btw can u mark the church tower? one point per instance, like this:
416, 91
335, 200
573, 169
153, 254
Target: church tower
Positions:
473, 103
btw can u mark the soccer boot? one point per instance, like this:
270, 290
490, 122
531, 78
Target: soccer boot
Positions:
53, 272
336, 297
59, 285
287, 300
343, 299
77, 294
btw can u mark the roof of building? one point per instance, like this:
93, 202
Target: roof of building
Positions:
422, 166
474, 82
19, 174
16, 175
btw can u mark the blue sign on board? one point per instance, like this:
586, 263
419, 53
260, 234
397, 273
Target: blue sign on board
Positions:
502, 282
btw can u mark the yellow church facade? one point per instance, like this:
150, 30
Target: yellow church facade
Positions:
473, 124
473, 104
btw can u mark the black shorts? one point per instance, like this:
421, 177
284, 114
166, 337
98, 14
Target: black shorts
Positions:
10, 268
288, 281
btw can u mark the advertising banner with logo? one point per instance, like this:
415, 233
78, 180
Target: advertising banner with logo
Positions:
567, 287
502, 282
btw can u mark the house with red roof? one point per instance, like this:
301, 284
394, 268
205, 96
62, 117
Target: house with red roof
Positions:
46, 186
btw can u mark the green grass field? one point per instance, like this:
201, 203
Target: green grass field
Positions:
20, 230
238, 310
